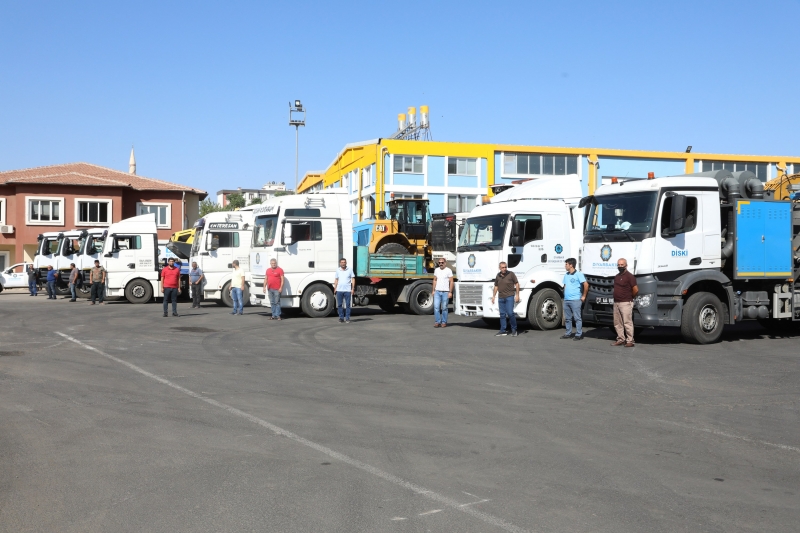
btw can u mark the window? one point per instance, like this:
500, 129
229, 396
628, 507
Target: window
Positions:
264, 230
460, 204
228, 239
691, 214
462, 166
759, 169
45, 211
127, 242
92, 212
162, 212
307, 231
5, 259
94, 246
72, 245
408, 163
550, 165
532, 228
3, 209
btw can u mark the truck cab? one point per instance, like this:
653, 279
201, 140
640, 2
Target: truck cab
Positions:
534, 228
219, 238
130, 257
81, 247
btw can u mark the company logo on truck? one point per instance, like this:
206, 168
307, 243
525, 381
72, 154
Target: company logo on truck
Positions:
258, 259
471, 260
605, 253
680, 253
223, 225
559, 248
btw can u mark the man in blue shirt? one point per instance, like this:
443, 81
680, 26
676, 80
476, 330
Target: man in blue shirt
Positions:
575, 290
344, 285
52, 277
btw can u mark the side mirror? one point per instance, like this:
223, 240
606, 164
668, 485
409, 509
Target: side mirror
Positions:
287, 234
517, 232
586, 200
109, 254
677, 214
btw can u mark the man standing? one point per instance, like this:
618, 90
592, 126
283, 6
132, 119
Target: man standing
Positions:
575, 290
196, 278
507, 285
97, 277
52, 276
442, 292
625, 290
171, 286
73, 282
237, 288
345, 287
274, 287
32, 279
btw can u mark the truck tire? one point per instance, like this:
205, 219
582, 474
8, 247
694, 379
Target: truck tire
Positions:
420, 300
225, 299
138, 291
317, 301
84, 290
62, 290
702, 318
545, 309
392, 248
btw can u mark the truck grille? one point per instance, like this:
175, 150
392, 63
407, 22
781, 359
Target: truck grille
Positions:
470, 293
601, 285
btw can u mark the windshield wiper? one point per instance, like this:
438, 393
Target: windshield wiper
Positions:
627, 235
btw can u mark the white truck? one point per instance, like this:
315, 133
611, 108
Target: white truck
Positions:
220, 238
131, 259
59, 249
534, 227
707, 249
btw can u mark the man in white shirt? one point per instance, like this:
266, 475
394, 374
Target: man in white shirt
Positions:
345, 286
442, 292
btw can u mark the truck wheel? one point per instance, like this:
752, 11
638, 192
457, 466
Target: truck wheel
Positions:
702, 318
392, 248
84, 291
544, 311
138, 291
226, 299
317, 301
62, 290
420, 301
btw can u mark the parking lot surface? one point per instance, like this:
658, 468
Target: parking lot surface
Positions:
113, 418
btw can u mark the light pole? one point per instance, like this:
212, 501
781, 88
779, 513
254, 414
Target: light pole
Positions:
297, 118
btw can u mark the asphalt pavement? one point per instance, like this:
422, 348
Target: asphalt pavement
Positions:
115, 419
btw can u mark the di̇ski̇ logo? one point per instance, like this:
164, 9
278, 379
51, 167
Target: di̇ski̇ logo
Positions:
605, 253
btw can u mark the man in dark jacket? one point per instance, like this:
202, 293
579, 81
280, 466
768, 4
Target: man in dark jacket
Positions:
32, 280
625, 291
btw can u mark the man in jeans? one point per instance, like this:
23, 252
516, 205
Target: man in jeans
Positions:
73, 282
237, 289
625, 290
52, 276
171, 286
575, 290
97, 277
442, 292
345, 287
196, 278
274, 287
32, 280
507, 285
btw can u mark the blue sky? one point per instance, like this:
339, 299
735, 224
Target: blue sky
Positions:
202, 88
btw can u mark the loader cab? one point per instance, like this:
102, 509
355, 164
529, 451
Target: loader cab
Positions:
413, 217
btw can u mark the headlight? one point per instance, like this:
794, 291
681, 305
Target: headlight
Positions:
644, 300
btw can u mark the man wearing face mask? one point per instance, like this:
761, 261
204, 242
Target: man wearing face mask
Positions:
625, 290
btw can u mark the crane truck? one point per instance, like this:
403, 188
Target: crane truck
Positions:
707, 249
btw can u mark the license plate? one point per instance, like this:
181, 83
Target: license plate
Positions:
605, 300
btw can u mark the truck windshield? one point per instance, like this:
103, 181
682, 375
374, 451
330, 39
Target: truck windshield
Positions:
50, 245
483, 233
264, 230
625, 213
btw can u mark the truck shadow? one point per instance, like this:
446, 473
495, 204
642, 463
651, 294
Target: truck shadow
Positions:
731, 333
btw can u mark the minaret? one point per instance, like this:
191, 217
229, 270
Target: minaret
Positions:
132, 163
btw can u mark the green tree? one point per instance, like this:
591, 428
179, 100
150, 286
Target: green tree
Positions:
235, 201
207, 206
255, 200
283, 193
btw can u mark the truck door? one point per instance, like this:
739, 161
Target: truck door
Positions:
219, 250
301, 254
527, 246
121, 259
682, 250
